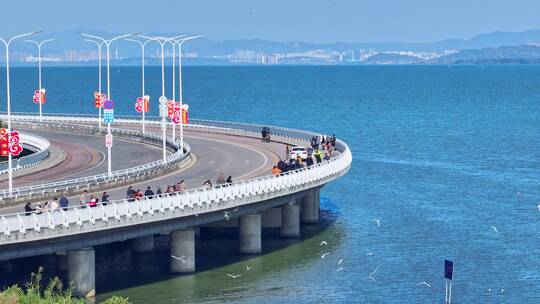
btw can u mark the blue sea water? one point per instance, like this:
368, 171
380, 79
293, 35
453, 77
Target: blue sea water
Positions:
441, 154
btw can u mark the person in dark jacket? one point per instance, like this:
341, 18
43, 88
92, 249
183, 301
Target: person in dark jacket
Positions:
104, 198
28, 209
64, 202
229, 180
309, 161
149, 192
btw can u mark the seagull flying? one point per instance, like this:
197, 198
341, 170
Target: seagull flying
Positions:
494, 228
324, 243
370, 253
339, 269
370, 276
378, 222
235, 210
323, 255
339, 262
226, 215
248, 267
423, 283
234, 276
179, 258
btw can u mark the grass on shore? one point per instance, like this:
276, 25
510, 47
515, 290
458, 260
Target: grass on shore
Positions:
52, 293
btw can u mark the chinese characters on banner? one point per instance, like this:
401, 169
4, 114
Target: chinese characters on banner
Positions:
142, 104
99, 99
177, 112
39, 96
9, 144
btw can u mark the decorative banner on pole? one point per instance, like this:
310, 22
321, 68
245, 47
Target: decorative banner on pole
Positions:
142, 103
108, 140
185, 117
177, 113
170, 109
9, 144
39, 96
99, 99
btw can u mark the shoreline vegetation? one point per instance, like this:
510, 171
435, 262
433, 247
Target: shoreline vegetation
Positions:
51, 293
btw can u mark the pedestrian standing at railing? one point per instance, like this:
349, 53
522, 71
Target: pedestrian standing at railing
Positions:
105, 198
39, 209
158, 191
149, 193
229, 180
318, 156
84, 197
182, 186
220, 179
138, 194
130, 192
326, 156
28, 209
54, 205
287, 152
309, 161
46, 206
333, 141
64, 202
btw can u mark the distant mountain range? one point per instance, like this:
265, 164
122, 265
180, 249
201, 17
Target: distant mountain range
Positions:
496, 47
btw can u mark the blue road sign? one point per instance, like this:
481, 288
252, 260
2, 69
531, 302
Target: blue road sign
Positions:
108, 116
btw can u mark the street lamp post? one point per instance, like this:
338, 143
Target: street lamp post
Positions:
39, 44
163, 98
99, 45
180, 91
108, 44
142, 44
8, 95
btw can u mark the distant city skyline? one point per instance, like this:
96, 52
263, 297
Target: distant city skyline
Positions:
301, 20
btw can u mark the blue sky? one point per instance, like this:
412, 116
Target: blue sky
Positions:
292, 20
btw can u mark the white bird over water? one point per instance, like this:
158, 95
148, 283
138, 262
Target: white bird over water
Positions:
378, 222
234, 276
248, 268
339, 269
323, 255
179, 258
324, 243
339, 262
226, 215
423, 283
370, 276
494, 229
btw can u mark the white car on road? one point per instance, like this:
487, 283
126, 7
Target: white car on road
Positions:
299, 151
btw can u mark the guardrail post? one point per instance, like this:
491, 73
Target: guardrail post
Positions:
249, 234
143, 244
82, 272
182, 251
290, 220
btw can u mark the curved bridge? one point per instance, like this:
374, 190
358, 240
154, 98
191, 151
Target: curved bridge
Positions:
294, 195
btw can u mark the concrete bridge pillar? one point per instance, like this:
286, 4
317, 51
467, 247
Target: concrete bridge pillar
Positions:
61, 261
82, 272
290, 220
182, 251
249, 233
143, 244
310, 207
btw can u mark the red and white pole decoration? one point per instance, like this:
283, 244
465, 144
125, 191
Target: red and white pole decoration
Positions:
99, 99
39, 96
142, 104
9, 144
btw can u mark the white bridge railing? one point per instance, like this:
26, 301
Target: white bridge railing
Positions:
32, 141
173, 159
26, 227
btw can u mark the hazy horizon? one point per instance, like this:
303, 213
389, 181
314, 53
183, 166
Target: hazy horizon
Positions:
349, 21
